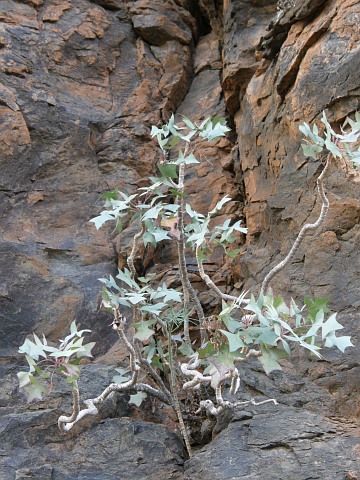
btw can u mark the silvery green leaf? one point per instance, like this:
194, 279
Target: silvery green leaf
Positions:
155, 309
135, 298
125, 276
188, 123
220, 204
35, 390
331, 325
311, 150
24, 378
123, 375
143, 332
138, 398
102, 218
340, 342
86, 350
234, 339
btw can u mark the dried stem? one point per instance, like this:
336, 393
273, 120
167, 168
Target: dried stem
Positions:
304, 230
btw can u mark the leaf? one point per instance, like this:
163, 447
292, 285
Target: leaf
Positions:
176, 193
267, 336
150, 350
331, 325
125, 276
231, 324
138, 398
206, 350
340, 342
24, 378
269, 358
86, 352
102, 218
224, 360
123, 377
153, 212
149, 238
233, 253
33, 350
186, 350
35, 391
313, 306
73, 327
154, 309
135, 298
112, 195
143, 332
310, 150
168, 170
220, 204
188, 123
235, 342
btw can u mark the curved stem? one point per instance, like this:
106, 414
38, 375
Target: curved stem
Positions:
212, 285
304, 230
76, 409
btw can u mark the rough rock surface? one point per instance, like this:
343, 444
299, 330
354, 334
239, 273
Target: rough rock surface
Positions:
81, 82
278, 443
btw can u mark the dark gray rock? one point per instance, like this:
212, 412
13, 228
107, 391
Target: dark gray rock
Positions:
279, 443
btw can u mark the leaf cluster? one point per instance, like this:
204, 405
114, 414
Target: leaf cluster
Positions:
44, 360
332, 141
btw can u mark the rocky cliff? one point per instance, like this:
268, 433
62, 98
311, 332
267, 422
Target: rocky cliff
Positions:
81, 83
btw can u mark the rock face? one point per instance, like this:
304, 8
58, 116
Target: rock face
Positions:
81, 82
277, 443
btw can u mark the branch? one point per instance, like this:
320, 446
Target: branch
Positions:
130, 259
66, 423
211, 284
189, 292
209, 406
76, 409
305, 229
177, 406
198, 379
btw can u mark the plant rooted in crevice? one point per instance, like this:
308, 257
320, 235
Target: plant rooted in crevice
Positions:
167, 359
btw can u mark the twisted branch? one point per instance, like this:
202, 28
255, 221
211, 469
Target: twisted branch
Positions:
189, 369
211, 284
66, 423
304, 230
209, 406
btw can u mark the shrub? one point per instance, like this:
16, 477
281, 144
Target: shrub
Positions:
161, 345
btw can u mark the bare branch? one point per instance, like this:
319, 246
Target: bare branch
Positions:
304, 230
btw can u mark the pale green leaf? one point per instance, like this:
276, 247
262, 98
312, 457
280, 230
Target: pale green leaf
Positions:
143, 332
24, 378
138, 398
340, 342
331, 325
235, 342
